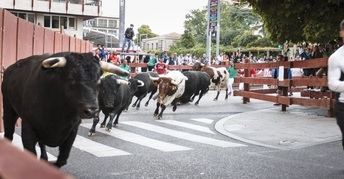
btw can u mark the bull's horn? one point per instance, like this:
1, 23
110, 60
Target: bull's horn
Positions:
154, 78
54, 62
141, 83
113, 68
120, 81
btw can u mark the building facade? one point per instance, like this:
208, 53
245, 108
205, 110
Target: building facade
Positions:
161, 43
59, 15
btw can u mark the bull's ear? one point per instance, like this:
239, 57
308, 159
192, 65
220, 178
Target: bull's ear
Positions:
54, 62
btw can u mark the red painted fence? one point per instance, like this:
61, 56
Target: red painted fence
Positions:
20, 39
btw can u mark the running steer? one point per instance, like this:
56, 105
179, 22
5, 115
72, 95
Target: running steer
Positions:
197, 84
149, 87
51, 94
115, 95
171, 87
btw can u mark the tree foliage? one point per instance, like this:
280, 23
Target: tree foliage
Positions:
144, 31
298, 21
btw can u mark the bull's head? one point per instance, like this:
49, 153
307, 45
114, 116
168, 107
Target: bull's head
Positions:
79, 76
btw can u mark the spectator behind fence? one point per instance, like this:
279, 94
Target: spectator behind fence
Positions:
145, 60
160, 67
151, 63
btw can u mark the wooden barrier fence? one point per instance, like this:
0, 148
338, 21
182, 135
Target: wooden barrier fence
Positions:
308, 97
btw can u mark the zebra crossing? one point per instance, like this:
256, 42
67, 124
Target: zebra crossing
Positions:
98, 149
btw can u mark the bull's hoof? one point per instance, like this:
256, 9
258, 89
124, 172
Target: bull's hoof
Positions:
134, 105
90, 134
146, 104
159, 117
196, 103
215, 99
174, 108
137, 107
108, 129
155, 115
102, 125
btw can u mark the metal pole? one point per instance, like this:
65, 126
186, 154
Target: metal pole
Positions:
218, 29
208, 42
121, 21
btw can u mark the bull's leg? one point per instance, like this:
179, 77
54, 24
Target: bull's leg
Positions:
117, 116
44, 155
163, 107
218, 92
134, 105
29, 137
95, 122
200, 96
10, 118
65, 148
109, 124
150, 96
226, 93
174, 104
102, 125
157, 109
141, 97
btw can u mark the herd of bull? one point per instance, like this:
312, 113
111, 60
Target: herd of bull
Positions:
52, 93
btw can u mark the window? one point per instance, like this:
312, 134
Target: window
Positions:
91, 22
112, 23
55, 22
114, 32
22, 15
31, 18
72, 24
102, 23
46, 21
63, 22
75, 1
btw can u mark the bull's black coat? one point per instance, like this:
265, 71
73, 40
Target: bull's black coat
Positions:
197, 84
149, 87
114, 97
50, 101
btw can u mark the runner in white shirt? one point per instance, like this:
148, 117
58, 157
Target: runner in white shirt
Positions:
336, 81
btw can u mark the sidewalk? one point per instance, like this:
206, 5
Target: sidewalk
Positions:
298, 127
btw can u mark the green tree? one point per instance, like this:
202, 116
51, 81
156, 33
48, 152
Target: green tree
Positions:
144, 31
187, 39
196, 24
298, 21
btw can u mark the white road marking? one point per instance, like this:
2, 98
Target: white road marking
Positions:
187, 125
141, 140
97, 149
17, 141
203, 120
182, 135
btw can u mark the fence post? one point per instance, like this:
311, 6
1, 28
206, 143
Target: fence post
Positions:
246, 85
285, 89
331, 110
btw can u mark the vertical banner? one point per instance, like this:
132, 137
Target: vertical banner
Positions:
213, 16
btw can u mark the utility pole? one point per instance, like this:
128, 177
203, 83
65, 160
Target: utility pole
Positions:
121, 21
218, 29
208, 41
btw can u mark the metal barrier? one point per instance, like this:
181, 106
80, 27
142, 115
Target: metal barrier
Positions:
309, 98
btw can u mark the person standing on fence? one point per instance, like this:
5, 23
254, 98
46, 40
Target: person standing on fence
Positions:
128, 37
336, 81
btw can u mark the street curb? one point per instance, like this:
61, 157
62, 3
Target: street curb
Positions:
219, 127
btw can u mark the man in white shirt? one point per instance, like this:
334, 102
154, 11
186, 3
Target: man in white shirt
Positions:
336, 81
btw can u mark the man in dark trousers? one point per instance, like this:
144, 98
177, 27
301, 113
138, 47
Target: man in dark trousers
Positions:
128, 37
336, 81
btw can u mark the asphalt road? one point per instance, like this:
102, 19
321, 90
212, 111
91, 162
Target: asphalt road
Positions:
143, 147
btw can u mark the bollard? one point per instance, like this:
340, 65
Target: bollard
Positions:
285, 89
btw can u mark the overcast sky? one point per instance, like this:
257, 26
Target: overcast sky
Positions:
163, 16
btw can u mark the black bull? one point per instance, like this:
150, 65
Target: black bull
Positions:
115, 95
51, 93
